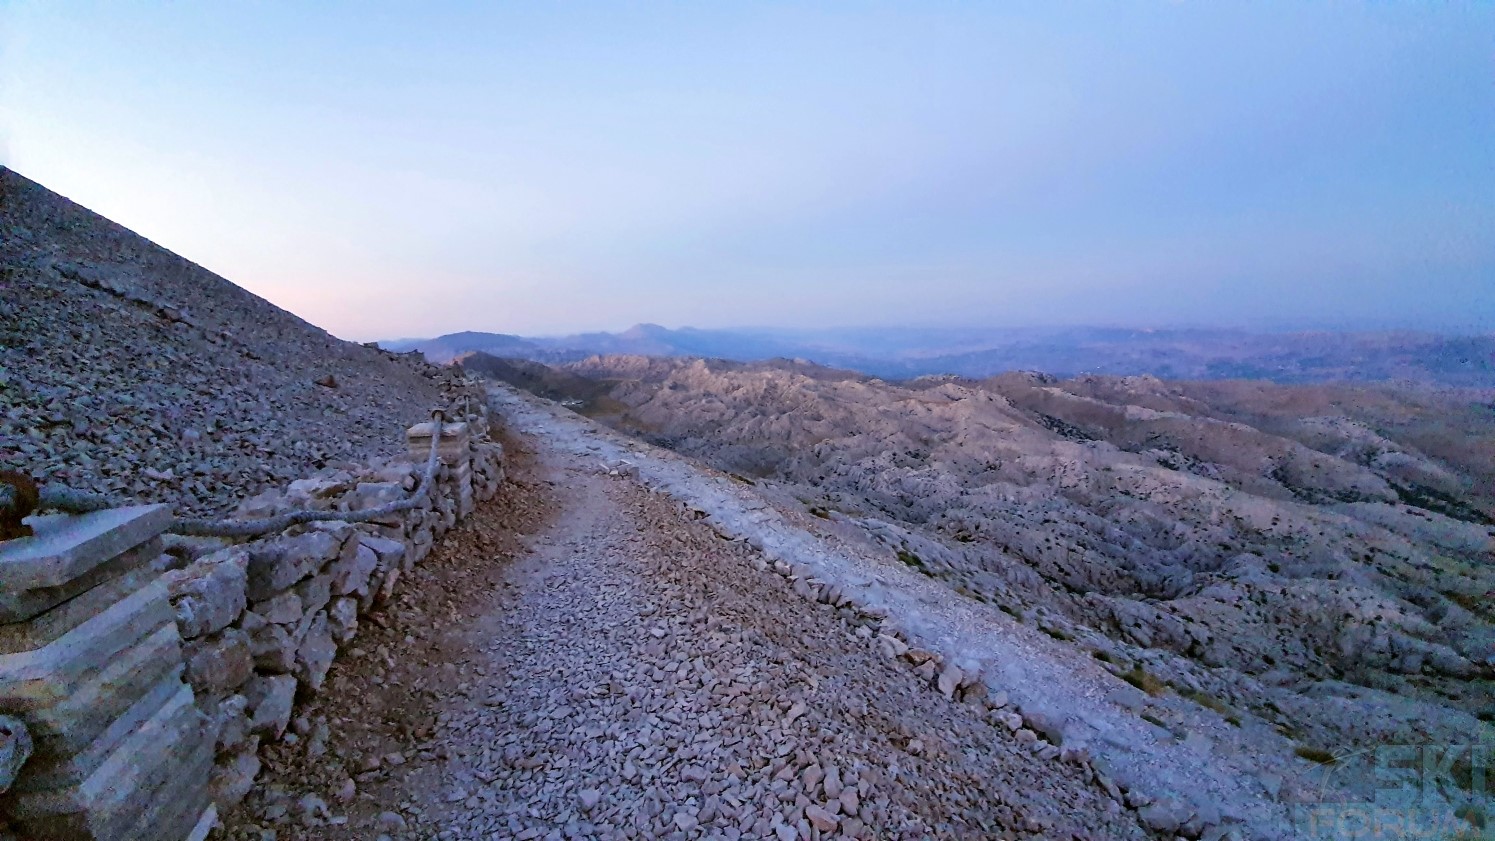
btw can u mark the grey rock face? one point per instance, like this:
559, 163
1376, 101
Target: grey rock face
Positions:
219, 664
270, 700
15, 749
210, 594
277, 566
314, 655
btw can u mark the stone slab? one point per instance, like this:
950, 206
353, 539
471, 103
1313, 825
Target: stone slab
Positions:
449, 431
173, 807
66, 546
47, 627
69, 727
61, 770
21, 605
33, 680
206, 823
453, 448
105, 805
210, 593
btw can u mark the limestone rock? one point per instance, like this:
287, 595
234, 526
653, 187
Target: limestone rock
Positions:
314, 655
342, 619
271, 645
270, 701
230, 723
281, 608
821, 819
209, 595
15, 749
233, 775
219, 664
350, 572
949, 680
278, 565
1164, 815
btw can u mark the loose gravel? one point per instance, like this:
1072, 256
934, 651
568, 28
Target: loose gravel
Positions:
585, 660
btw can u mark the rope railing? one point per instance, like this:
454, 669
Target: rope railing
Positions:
58, 498
54, 497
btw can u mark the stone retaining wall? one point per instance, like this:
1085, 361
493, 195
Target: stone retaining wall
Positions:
146, 669
263, 620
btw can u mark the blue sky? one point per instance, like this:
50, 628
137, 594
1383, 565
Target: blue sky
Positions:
410, 169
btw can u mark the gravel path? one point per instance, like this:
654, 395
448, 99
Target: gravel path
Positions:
628, 673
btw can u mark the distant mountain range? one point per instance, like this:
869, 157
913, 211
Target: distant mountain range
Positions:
905, 352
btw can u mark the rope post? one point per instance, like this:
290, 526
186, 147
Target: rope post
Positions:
453, 445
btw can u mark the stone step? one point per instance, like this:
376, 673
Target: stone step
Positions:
17, 606
35, 680
174, 807
206, 823
453, 448
106, 805
137, 568
66, 546
75, 736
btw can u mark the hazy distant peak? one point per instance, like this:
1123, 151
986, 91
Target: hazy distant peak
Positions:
645, 330
905, 353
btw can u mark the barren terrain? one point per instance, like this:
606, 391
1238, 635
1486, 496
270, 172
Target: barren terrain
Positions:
129, 371
585, 661
1311, 559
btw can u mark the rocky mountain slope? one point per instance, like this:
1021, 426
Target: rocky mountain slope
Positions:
1312, 559
128, 370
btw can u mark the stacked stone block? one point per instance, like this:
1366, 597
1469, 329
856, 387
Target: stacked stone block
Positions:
487, 468
455, 452
148, 681
91, 662
264, 620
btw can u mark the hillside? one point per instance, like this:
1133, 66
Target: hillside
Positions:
908, 352
1313, 557
128, 370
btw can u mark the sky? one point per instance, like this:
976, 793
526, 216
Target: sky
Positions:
411, 169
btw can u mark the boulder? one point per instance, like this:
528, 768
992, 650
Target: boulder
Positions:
282, 608
315, 593
1164, 815
270, 645
233, 779
229, 722
350, 572
1049, 725
949, 680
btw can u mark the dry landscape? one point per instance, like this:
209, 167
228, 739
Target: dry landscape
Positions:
1315, 559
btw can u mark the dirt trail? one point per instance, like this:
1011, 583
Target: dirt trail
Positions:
586, 660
